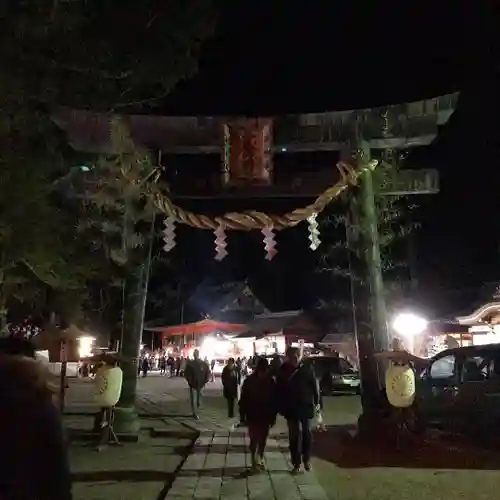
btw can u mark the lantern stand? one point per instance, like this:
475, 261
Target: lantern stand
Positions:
401, 392
107, 432
108, 385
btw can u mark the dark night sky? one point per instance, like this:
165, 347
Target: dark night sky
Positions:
274, 57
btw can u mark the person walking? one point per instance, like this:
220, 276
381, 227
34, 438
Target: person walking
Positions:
299, 398
197, 374
275, 366
238, 369
212, 368
258, 402
163, 365
229, 379
145, 366
182, 366
171, 366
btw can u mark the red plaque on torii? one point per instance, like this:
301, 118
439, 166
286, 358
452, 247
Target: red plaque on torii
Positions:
247, 158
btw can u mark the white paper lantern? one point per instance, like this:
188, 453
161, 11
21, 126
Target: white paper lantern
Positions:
108, 386
400, 385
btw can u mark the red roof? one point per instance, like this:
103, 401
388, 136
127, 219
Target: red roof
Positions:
203, 326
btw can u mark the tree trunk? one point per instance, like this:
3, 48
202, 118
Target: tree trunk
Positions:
136, 288
375, 337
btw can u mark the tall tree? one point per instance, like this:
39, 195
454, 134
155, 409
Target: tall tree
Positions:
35, 250
341, 258
118, 217
134, 54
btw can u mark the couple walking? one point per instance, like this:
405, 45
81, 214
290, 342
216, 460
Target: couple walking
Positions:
294, 394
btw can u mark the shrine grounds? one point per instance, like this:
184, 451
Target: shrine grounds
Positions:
178, 458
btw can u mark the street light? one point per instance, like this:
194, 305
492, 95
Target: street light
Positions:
86, 345
409, 324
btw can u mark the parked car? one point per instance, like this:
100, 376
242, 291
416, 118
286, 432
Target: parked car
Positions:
335, 374
460, 389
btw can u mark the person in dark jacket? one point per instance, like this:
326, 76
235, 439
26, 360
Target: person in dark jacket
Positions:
35, 464
212, 368
163, 365
145, 366
197, 374
230, 385
275, 365
258, 402
238, 369
298, 395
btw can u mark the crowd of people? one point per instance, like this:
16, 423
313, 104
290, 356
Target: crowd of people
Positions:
167, 364
175, 365
287, 388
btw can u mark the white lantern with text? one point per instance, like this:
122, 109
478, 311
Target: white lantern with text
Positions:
400, 385
108, 386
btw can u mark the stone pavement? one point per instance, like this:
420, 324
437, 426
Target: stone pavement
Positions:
164, 463
135, 471
218, 468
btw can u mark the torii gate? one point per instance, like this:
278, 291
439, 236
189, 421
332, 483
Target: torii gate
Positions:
356, 133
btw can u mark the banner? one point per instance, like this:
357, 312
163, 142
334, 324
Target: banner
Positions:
247, 157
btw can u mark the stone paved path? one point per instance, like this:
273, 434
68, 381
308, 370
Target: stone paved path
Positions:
218, 468
134, 471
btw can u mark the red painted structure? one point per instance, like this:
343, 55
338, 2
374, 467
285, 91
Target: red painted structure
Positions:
192, 332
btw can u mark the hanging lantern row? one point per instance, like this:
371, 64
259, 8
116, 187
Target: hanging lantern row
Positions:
221, 238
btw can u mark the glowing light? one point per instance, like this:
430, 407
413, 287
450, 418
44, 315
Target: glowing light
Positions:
208, 347
85, 346
409, 324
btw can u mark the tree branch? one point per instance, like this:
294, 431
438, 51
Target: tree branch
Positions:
45, 62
